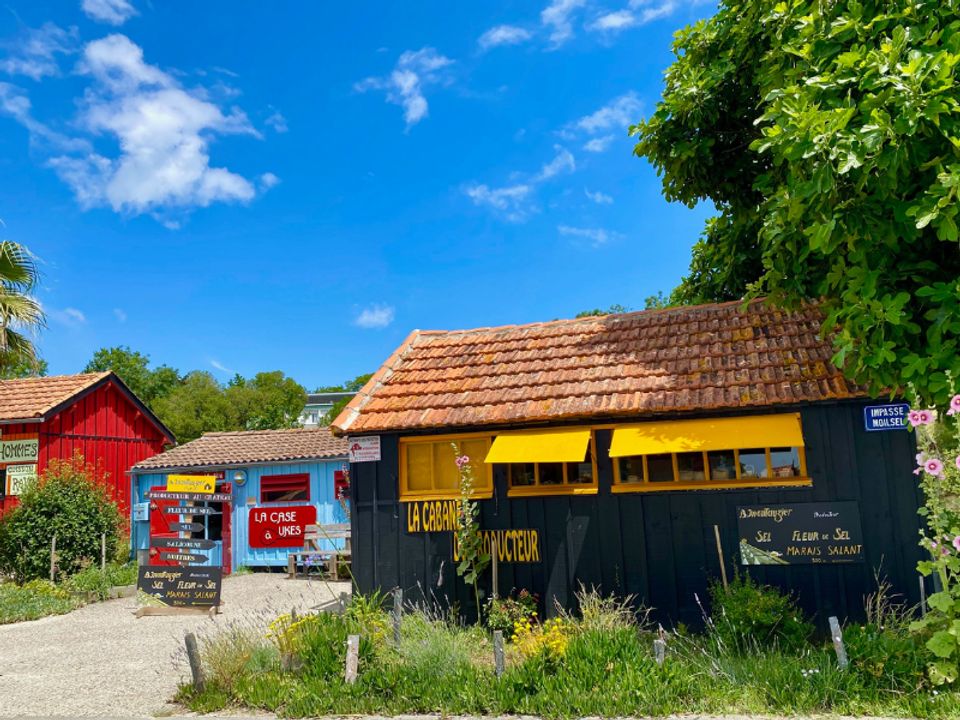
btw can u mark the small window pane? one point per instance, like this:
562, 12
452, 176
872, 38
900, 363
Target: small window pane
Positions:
580, 473
660, 468
446, 474
785, 461
753, 463
690, 467
419, 466
476, 450
723, 465
551, 473
522, 475
631, 470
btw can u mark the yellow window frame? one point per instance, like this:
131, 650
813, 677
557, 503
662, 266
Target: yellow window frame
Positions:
480, 492
803, 480
566, 488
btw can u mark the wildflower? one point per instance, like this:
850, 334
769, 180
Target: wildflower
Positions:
914, 418
462, 460
933, 467
954, 405
956, 543
927, 417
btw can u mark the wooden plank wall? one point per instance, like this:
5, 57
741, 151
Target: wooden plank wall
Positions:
660, 547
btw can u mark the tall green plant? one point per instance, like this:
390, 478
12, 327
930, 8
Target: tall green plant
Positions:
938, 465
473, 559
20, 312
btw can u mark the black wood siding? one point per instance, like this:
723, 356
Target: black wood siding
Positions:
660, 546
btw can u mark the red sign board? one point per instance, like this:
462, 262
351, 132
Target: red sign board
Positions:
280, 527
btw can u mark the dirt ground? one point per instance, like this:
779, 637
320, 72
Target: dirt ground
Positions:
102, 661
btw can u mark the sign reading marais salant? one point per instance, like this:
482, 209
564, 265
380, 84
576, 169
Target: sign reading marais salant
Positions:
20, 450
892, 416
364, 449
185, 586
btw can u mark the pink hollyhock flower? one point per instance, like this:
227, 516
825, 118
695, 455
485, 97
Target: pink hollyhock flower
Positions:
927, 417
914, 418
956, 543
958, 462
462, 460
934, 467
954, 405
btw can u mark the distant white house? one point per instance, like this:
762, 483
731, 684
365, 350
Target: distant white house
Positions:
319, 404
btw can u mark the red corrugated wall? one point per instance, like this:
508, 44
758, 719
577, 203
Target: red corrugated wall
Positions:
106, 428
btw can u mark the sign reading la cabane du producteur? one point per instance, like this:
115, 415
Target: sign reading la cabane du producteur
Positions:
801, 533
892, 416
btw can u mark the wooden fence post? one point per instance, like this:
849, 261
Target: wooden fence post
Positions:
53, 558
723, 565
344, 601
353, 659
397, 614
103, 551
494, 567
498, 652
923, 597
836, 634
659, 650
193, 656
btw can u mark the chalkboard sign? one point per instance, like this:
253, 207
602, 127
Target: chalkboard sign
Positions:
185, 586
800, 533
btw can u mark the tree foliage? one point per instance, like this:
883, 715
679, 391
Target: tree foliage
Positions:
21, 315
349, 386
134, 369
827, 135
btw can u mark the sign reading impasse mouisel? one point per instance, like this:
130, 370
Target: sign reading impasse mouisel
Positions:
364, 449
889, 416
800, 533
185, 586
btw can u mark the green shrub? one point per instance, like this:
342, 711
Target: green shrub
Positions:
95, 580
35, 599
747, 616
69, 501
504, 613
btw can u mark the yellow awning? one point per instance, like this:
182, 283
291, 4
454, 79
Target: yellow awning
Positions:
540, 446
755, 431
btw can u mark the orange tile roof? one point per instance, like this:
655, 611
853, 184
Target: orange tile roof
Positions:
676, 360
33, 398
219, 449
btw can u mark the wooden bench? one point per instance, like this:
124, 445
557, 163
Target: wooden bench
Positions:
314, 535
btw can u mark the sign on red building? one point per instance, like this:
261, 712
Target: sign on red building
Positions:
280, 527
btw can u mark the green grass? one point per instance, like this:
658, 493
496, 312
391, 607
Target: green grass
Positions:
33, 600
606, 669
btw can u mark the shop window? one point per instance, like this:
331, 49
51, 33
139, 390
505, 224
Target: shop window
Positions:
284, 488
554, 478
658, 456
428, 466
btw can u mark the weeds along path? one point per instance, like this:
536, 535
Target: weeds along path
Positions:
101, 661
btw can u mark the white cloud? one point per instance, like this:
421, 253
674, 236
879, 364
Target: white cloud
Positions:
267, 181
69, 316
217, 365
278, 122
598, 197
514, 202
112, 12
562, 162
618, 114
414, 71
15, 103
120, 314
375, 316
558, 17
614, 22
596, 236
35, 53
503, 35
599, 144
655, 10
163, 133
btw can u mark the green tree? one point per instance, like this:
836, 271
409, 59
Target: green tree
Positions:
24, 368
195, 406
20, 312
130, 366
349, 386
268, 401
827, 135
597, 312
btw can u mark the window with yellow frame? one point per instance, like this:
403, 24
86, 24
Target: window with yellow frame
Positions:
752, 451
554, 478
428, 468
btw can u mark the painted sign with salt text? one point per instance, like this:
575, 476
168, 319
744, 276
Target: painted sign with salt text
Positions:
800, 533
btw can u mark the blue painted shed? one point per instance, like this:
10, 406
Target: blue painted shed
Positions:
278, 481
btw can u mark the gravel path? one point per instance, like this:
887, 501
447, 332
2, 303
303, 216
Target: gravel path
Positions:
101, 661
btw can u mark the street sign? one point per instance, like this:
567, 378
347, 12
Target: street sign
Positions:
185, 543
183, 557
186, 527
199, 510
192, 483
186, 586
189, 497
280, 527
891, 416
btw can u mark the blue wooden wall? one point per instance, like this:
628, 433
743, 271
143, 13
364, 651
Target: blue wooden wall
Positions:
321, 496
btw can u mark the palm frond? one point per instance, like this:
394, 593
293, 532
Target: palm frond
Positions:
18, 267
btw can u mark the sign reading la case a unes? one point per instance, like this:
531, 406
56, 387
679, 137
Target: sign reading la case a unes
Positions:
800, 533
18, 477
185, 586
890, 416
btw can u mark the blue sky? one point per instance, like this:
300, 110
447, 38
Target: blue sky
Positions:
243, 186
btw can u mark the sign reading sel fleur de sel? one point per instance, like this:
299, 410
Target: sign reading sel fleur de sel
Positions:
892, 416
800, 533
187, 586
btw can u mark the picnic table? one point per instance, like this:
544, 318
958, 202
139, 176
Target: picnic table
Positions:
314, 555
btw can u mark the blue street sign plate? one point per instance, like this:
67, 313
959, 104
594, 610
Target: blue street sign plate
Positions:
892, 416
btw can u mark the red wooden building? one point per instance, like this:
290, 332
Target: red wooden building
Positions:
54, 417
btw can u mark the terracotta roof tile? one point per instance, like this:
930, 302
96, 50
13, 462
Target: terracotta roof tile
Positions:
220, 449
653, 362
31, 398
